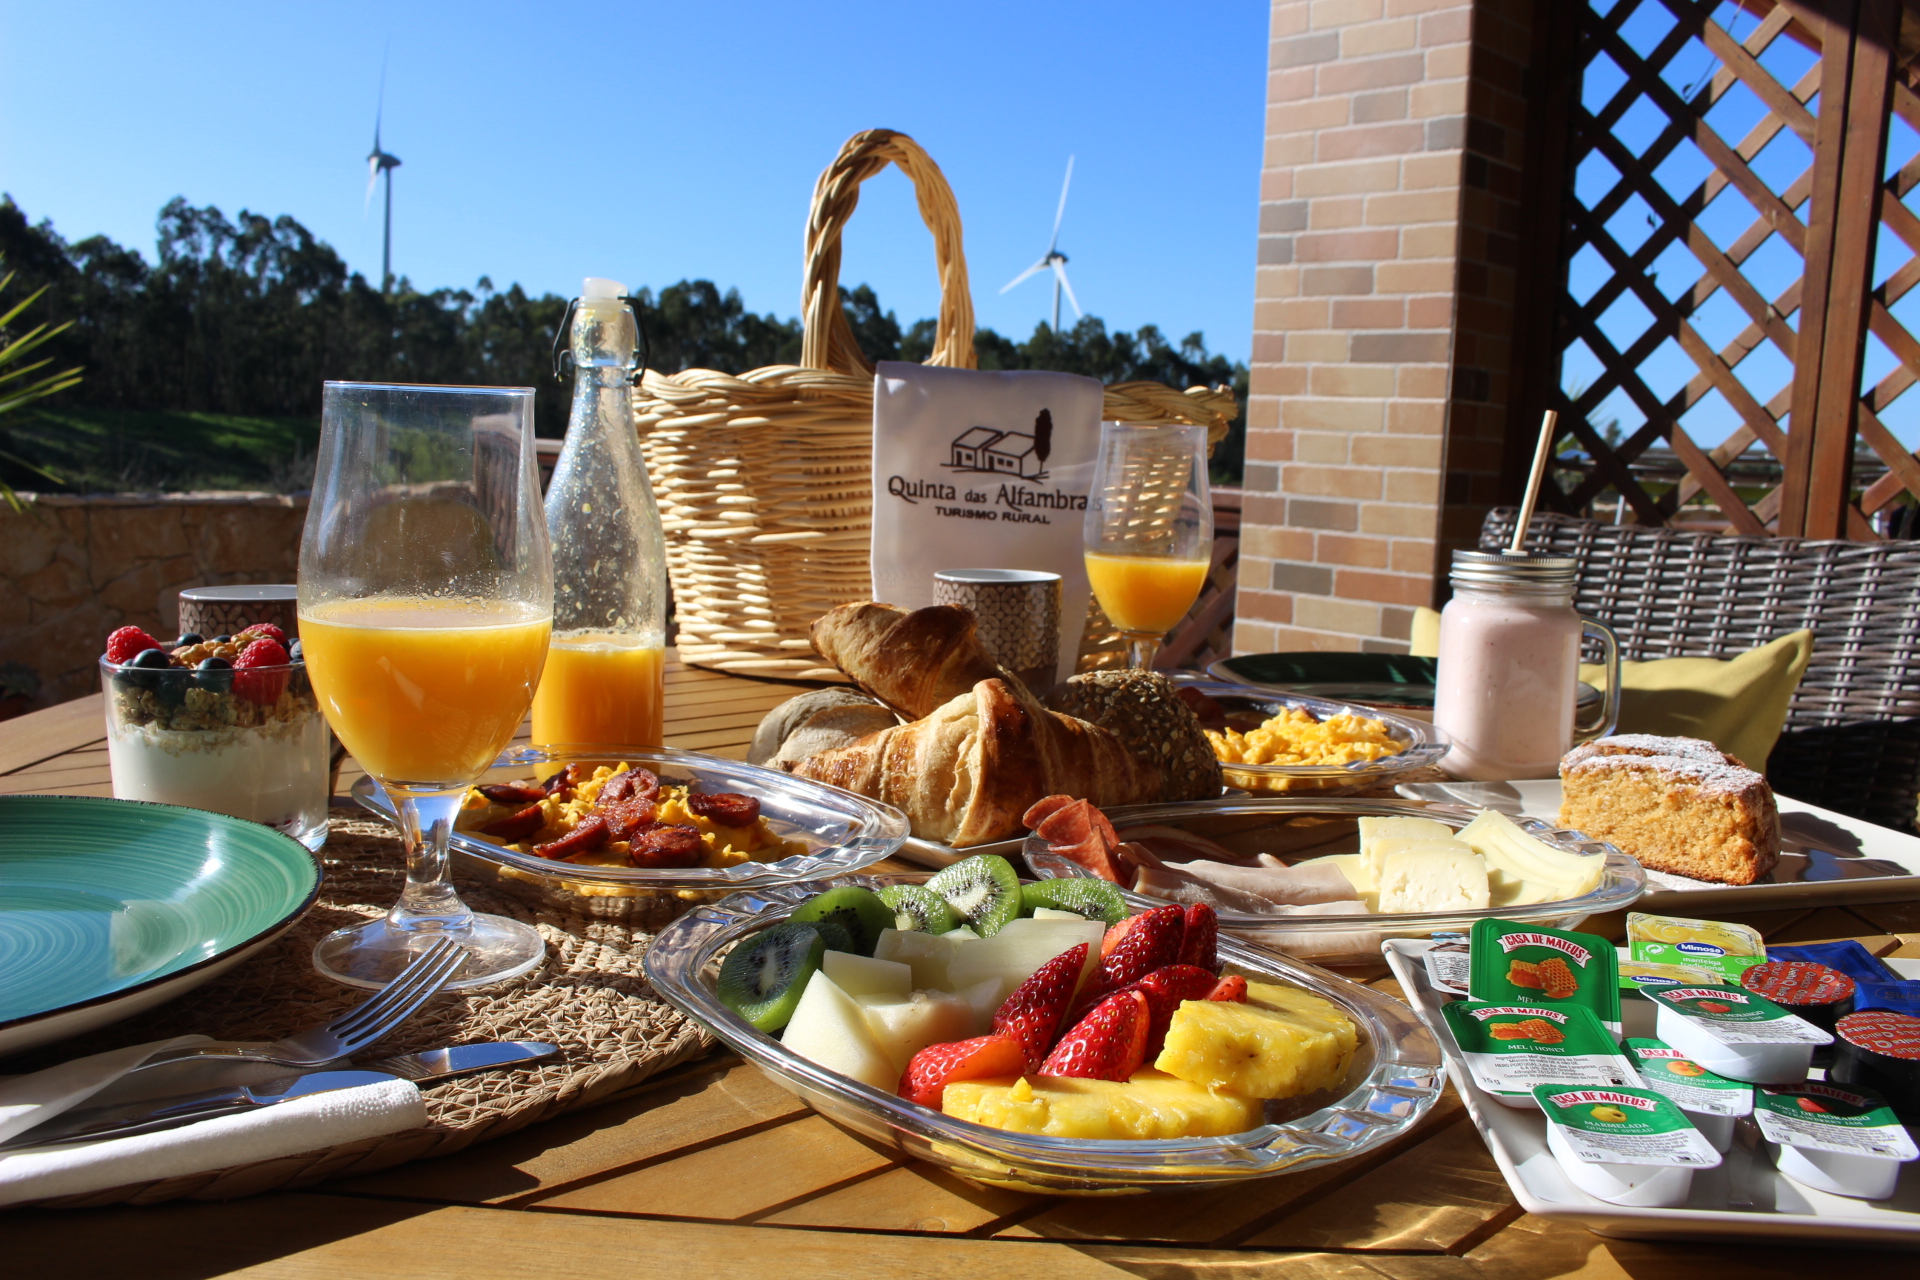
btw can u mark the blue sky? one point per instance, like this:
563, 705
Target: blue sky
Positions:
1771, 268
653, 142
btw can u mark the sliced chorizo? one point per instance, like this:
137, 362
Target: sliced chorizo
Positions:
624, 817
631, 784
666, 844
512, 793
588, 836
517, 826
728, 808
562, 783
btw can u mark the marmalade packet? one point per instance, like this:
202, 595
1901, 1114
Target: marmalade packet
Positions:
1727, 949
1512, 1048
1625, 1126
1514, 963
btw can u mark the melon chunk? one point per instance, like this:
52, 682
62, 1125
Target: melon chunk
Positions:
830, 1028
903, 1028
865, 976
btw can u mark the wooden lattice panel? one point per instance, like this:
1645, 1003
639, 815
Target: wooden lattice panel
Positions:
1811, 316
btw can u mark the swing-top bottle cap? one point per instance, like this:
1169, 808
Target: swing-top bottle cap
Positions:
593, 288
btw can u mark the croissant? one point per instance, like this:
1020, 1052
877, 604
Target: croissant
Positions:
966, 773
912, 662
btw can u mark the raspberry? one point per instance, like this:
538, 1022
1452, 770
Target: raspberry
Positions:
127, 641
263, 687
264, 631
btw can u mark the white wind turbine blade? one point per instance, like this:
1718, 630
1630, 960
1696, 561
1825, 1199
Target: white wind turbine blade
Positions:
373, 176
1028, 274
1060, 273
1062, 213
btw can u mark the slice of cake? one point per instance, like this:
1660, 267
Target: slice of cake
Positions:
1679, 805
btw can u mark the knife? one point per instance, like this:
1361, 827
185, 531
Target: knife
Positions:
90, 1124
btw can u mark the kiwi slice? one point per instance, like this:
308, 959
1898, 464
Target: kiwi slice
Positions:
918, 909
835, 936
1094, 899
859, 911
984, 891
763, 976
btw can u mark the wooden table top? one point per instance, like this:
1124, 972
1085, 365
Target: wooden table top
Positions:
710, 1170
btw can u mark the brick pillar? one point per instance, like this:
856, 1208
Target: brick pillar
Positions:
1383, 313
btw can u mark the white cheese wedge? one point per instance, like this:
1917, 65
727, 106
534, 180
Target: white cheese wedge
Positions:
1433, 877
1354, 867
1377, 853
1373, 830
1522, 869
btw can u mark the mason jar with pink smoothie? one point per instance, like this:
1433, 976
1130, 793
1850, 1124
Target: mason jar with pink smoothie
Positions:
1510, 667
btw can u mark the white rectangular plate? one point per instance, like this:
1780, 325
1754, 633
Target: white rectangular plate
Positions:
1744, 1199
1825, 857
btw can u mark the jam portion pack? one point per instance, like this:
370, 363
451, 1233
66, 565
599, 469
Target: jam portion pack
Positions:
1514, 963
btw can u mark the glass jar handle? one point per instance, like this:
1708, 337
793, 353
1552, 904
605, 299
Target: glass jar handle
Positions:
1610, 701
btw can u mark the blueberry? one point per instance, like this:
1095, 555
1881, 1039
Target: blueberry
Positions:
189, 637
143, 670
223, 639
294, 654
215, 675
171, 687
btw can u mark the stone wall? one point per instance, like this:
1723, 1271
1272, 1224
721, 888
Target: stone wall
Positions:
74, 568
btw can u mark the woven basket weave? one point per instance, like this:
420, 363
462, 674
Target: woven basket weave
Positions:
765, 479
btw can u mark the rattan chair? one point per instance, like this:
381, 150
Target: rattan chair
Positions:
1852, 739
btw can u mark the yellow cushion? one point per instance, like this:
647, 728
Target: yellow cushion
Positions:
1739, 704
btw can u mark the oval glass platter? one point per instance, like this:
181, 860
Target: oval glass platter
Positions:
841, 833
1394, 1079
1296, 830
109, 907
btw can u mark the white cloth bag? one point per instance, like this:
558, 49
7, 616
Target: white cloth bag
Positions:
968, 474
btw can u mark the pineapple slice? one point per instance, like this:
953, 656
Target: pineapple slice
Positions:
1149, 1105
1280, 1044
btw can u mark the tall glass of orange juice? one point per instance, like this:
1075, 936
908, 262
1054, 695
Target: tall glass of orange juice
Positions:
1149, 530
426, 606
601, 688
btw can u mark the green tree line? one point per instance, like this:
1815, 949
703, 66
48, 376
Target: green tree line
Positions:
250, 315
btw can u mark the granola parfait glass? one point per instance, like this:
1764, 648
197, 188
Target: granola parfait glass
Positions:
184, 727
426, 603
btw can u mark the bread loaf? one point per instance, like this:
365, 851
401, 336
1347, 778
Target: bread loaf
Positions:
911, 661
965, 774
1679, 805
815, 721
1151, 719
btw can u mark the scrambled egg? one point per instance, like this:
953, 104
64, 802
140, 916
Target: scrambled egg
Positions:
724, 846
1294, 737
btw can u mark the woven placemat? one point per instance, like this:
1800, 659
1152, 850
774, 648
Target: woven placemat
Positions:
589, 997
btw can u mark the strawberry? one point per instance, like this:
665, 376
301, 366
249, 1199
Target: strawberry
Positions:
263, 687
1232, 987
263, 631
1165, 989
1198, 947
1108, 1044
1032, 1014
123, 644
1150, 941
935, 1067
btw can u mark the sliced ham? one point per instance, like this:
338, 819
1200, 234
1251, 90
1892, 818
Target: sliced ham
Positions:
1176, 886
1280, 886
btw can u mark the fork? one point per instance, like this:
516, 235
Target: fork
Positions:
353, 1030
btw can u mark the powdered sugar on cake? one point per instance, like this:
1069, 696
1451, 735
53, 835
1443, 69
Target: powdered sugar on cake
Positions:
1684, 760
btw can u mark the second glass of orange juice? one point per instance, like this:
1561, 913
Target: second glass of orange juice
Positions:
1149, 530
601, 688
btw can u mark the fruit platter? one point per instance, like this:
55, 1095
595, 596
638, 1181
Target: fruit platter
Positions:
694, 826
1328, 880
1047, 1035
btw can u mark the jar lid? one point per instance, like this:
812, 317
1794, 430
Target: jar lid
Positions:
1506, 568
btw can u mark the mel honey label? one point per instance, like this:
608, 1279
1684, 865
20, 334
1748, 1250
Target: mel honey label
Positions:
1518, 963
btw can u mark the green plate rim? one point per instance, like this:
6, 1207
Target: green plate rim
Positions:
271, 931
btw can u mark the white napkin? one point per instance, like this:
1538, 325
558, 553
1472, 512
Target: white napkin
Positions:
284, 1129
963, 479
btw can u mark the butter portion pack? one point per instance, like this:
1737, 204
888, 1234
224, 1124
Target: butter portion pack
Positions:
1728, 950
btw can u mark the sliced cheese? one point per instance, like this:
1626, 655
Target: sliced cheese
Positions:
1374, 829
1433, 877
1522, 869
1377, 853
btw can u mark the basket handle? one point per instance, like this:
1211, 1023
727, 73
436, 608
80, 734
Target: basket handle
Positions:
829, 342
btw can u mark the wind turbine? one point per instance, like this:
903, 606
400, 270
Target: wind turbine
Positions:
1054, 259
379, 162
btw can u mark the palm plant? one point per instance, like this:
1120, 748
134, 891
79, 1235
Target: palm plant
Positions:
16, 393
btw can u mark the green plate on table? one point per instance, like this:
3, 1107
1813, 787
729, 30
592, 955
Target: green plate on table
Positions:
109, 907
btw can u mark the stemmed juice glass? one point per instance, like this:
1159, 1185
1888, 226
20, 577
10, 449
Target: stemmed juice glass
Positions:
1149, 530
426, 600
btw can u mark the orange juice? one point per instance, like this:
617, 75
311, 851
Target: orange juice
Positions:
601, 689
1145, 594
424, 691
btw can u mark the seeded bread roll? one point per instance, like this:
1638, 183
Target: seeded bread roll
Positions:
1679, 805
1159, 729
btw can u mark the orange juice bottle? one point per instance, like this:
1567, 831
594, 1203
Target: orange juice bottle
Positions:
424, 691
605, 683
1145, 594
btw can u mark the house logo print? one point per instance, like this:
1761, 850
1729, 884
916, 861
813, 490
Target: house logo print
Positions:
1014, 454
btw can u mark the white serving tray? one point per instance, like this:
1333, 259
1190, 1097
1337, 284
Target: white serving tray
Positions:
1825, 857
1744, 1199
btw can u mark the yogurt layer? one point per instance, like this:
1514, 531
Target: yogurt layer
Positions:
273, 773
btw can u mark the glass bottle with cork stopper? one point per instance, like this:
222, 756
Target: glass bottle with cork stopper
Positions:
604, 682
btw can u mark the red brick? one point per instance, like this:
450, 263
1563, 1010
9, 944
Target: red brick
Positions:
1341, 13
1331, 213
1396, 520
1346, 246
1395, 348
1365, 553
1310, 480
1430, 313
1305, 414
1324, 281
1358, 176
1350, 617
1369, 313
1266, 606
1451, 27
1352, 380
1269, 348
1276, 543
1383, 588
1372, 73
1379, 37
1370, 140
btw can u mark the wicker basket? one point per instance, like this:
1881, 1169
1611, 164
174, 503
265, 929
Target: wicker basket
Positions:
765, 479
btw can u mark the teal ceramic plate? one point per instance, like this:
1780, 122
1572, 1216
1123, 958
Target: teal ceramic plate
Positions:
109, 907
1375, 679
